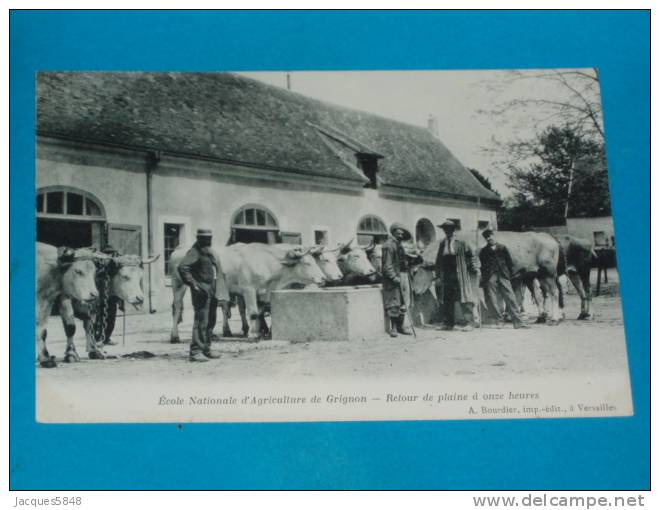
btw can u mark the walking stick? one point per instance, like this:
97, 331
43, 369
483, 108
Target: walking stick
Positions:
412, 326
123, 329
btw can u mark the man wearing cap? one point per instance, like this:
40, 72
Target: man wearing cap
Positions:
396, 281
455, 265
200, 269
497, 270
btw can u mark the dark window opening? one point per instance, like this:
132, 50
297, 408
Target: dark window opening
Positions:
74, 204
321, 237
55, 202
483, 224
246, 235
369, 166
40, 203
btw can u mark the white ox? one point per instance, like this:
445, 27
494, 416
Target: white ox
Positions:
252, 271
118, 276
355, 264
61, 271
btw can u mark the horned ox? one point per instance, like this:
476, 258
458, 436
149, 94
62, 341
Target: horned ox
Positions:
355, 265
327, 261
61, 271
120, 277
251, 271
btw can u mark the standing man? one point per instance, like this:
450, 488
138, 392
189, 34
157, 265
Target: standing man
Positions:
454, 266
200, 269
396, 283
497, 270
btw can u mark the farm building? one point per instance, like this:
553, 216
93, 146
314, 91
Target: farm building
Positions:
141, 160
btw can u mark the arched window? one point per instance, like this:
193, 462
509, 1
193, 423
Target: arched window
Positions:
254, 223
370, 228
70, 217
424, 233
60, 202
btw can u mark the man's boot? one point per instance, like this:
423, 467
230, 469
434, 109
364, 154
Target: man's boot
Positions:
401, 327
393, 328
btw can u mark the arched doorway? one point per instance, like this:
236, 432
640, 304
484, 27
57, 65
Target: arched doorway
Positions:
254, 224
69, 217
424, 233
371, 229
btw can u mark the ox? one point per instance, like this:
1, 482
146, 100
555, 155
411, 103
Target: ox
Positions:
535, 256
119, 277
61, 271
580, 256
327, 262
252, 271
355, 265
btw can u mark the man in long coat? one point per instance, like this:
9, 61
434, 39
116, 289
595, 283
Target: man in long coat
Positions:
455, 265
200, 269
396, 280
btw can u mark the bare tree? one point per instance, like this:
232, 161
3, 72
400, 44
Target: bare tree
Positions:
569, 97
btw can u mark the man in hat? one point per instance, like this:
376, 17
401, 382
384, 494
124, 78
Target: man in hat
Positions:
396, 281
497, 270
455, 265
200, 269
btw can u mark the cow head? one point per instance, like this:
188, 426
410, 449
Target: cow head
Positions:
375, 255
422, 279
127, 272
353, 260
78, 273
304, 267
327, 261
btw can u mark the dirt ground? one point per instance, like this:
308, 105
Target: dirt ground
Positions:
572, 347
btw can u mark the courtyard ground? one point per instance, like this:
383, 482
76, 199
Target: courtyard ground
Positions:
572, 347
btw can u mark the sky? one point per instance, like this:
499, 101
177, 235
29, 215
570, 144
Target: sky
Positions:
456, 98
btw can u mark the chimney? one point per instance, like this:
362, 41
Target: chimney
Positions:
433, 125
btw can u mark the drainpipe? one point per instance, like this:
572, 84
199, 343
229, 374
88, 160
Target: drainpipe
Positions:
153, 158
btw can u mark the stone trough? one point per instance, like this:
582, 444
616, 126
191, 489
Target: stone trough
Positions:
337, 313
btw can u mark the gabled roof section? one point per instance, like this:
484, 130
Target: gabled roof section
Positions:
232, 118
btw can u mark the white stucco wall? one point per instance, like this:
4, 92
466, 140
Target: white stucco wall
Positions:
585, 227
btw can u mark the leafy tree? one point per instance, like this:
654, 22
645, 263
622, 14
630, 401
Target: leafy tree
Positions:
565, 175
485, 181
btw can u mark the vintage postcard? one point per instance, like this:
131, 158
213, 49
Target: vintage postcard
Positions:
325, 246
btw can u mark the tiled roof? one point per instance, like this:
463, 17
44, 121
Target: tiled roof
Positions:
228, 117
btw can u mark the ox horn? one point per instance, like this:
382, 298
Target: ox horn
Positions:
317, 249
295, 253
150, 260
345, 248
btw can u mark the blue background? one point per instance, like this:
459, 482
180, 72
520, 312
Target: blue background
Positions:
541, 454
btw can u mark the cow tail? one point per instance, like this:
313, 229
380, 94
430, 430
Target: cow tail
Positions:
561, 263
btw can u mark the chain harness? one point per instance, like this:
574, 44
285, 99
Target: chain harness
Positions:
102, 306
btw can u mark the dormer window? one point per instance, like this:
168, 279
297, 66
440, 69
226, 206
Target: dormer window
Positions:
368, 163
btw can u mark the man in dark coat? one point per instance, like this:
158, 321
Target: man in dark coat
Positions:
200, 269
455, 266
396, 280
497, 270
